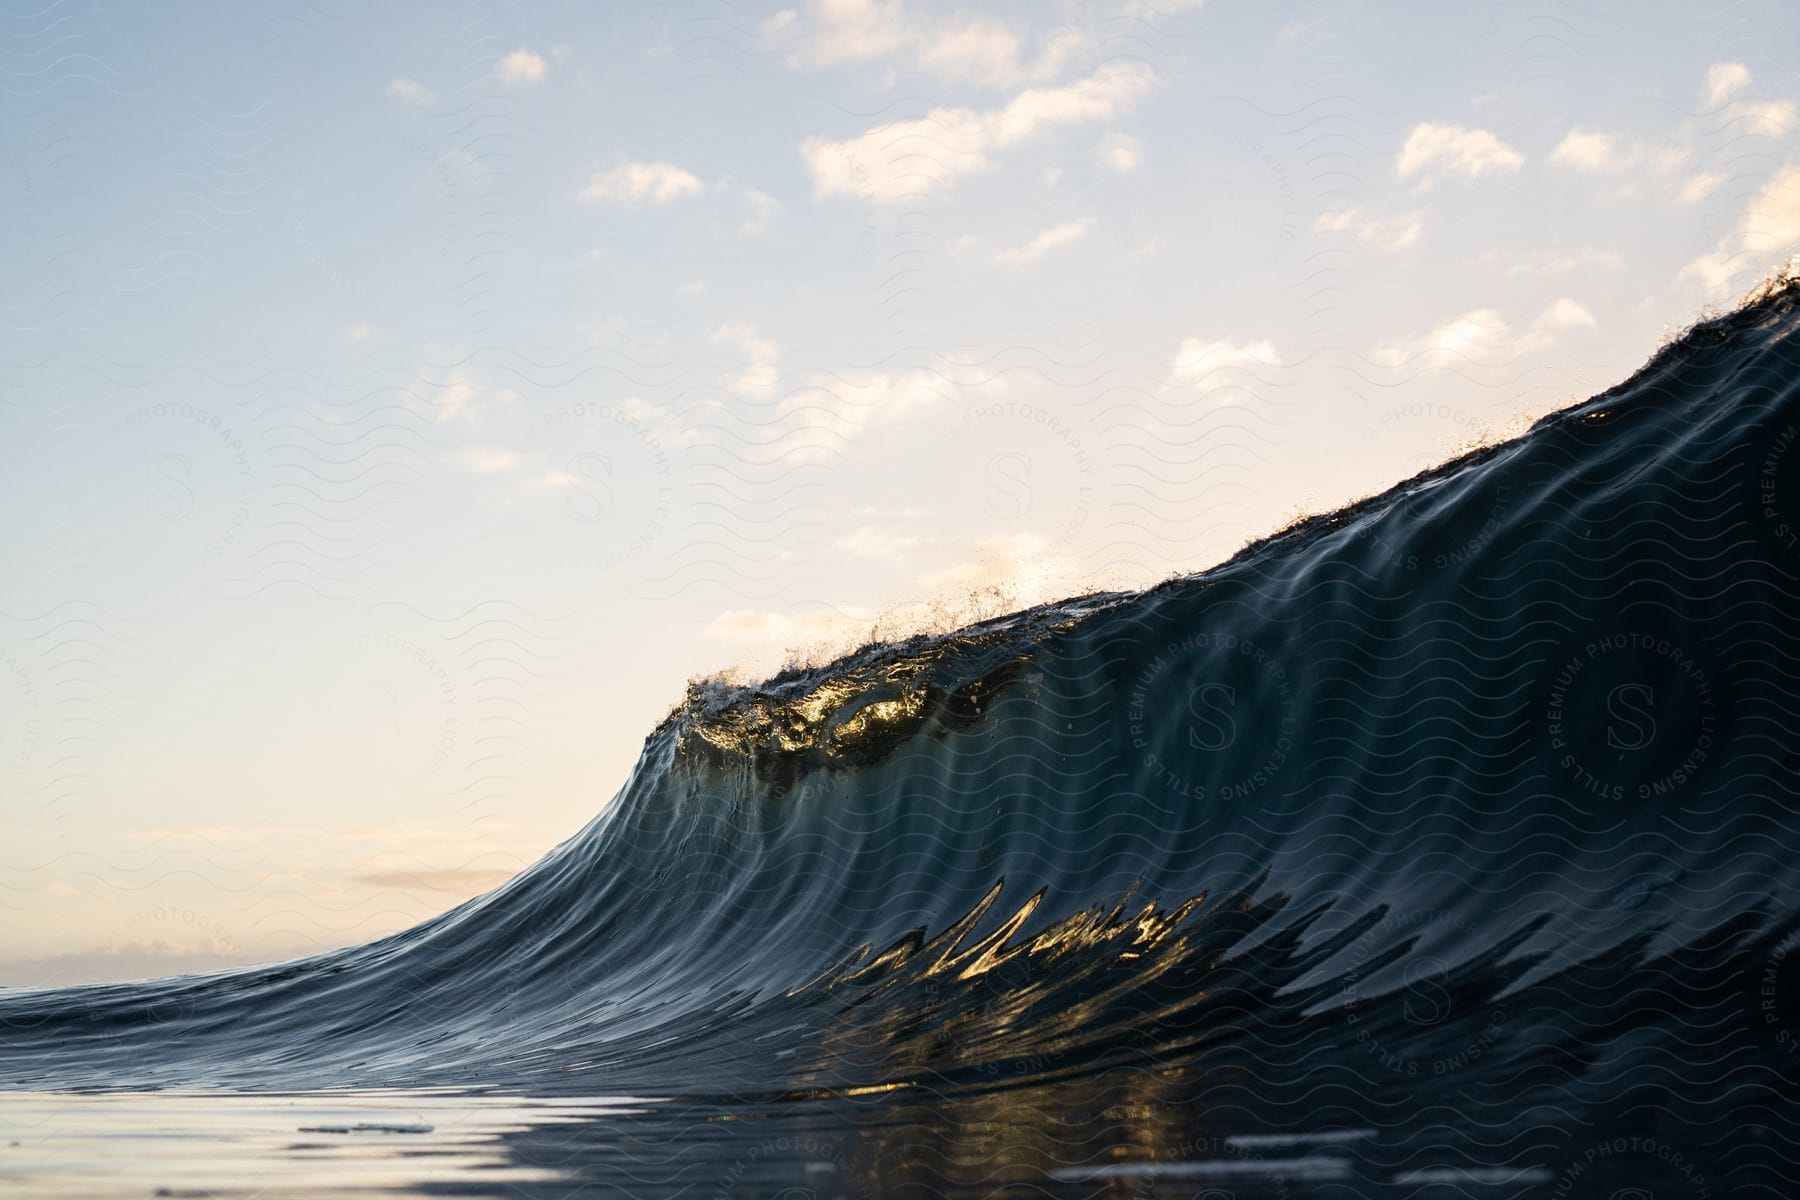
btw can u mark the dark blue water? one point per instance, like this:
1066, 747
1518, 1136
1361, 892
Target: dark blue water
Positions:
1447, 844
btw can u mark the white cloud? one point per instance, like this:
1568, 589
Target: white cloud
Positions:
836, 32
1769, 228
893, 163
1700, 187
761, 369
827, 411
1483, 337
1200, 361
980, 48
830, 410
998, 575
1612, 154
1150, 10
360, 333
1564, 314
635, 184
1725, 80
762, 207
971, 48
883, 545
487, 460
1770, 119
1434, 152
816, 414
1046, 241
1515, 265
643, 418
1015, 570
456, 400
522, 66
1591, 152
1477, 332
655, 420
783, 632
412, 92
1400, 232
1121, 153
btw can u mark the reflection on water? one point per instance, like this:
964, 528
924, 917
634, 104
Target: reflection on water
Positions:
307, 1144
1091, 1140
1135, 1134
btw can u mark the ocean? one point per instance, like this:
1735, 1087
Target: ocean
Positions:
1446, 844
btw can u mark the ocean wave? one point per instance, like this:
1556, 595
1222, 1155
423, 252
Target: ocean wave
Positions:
1463, 817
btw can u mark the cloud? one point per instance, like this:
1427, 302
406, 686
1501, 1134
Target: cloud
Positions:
982, 49
1200, 361
1435, 152
813, 415
1400, 232
836, 32
1483, 337
1771, 118
1046, 241
827, 410
1725, 80
486, 460
896, 162
883, 545
761, 369
832, 409
359, 333
463, 882
784, 631
1591, 152
1611, 154
1151, 10
1002, 559
997, 575
1700, 187
412, 92
1564, 314
522, 66
456, 400
635, 184
1004, 573
1769, 227
655, 425
1121, 153
972, 48
1515, 265
762, 207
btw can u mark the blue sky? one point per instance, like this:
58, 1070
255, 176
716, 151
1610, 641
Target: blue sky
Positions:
402, 404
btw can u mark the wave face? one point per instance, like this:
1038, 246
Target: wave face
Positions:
1460, 824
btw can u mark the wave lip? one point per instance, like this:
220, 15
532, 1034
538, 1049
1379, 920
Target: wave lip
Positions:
1479, 792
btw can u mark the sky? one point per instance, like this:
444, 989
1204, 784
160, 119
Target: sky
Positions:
401, 404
